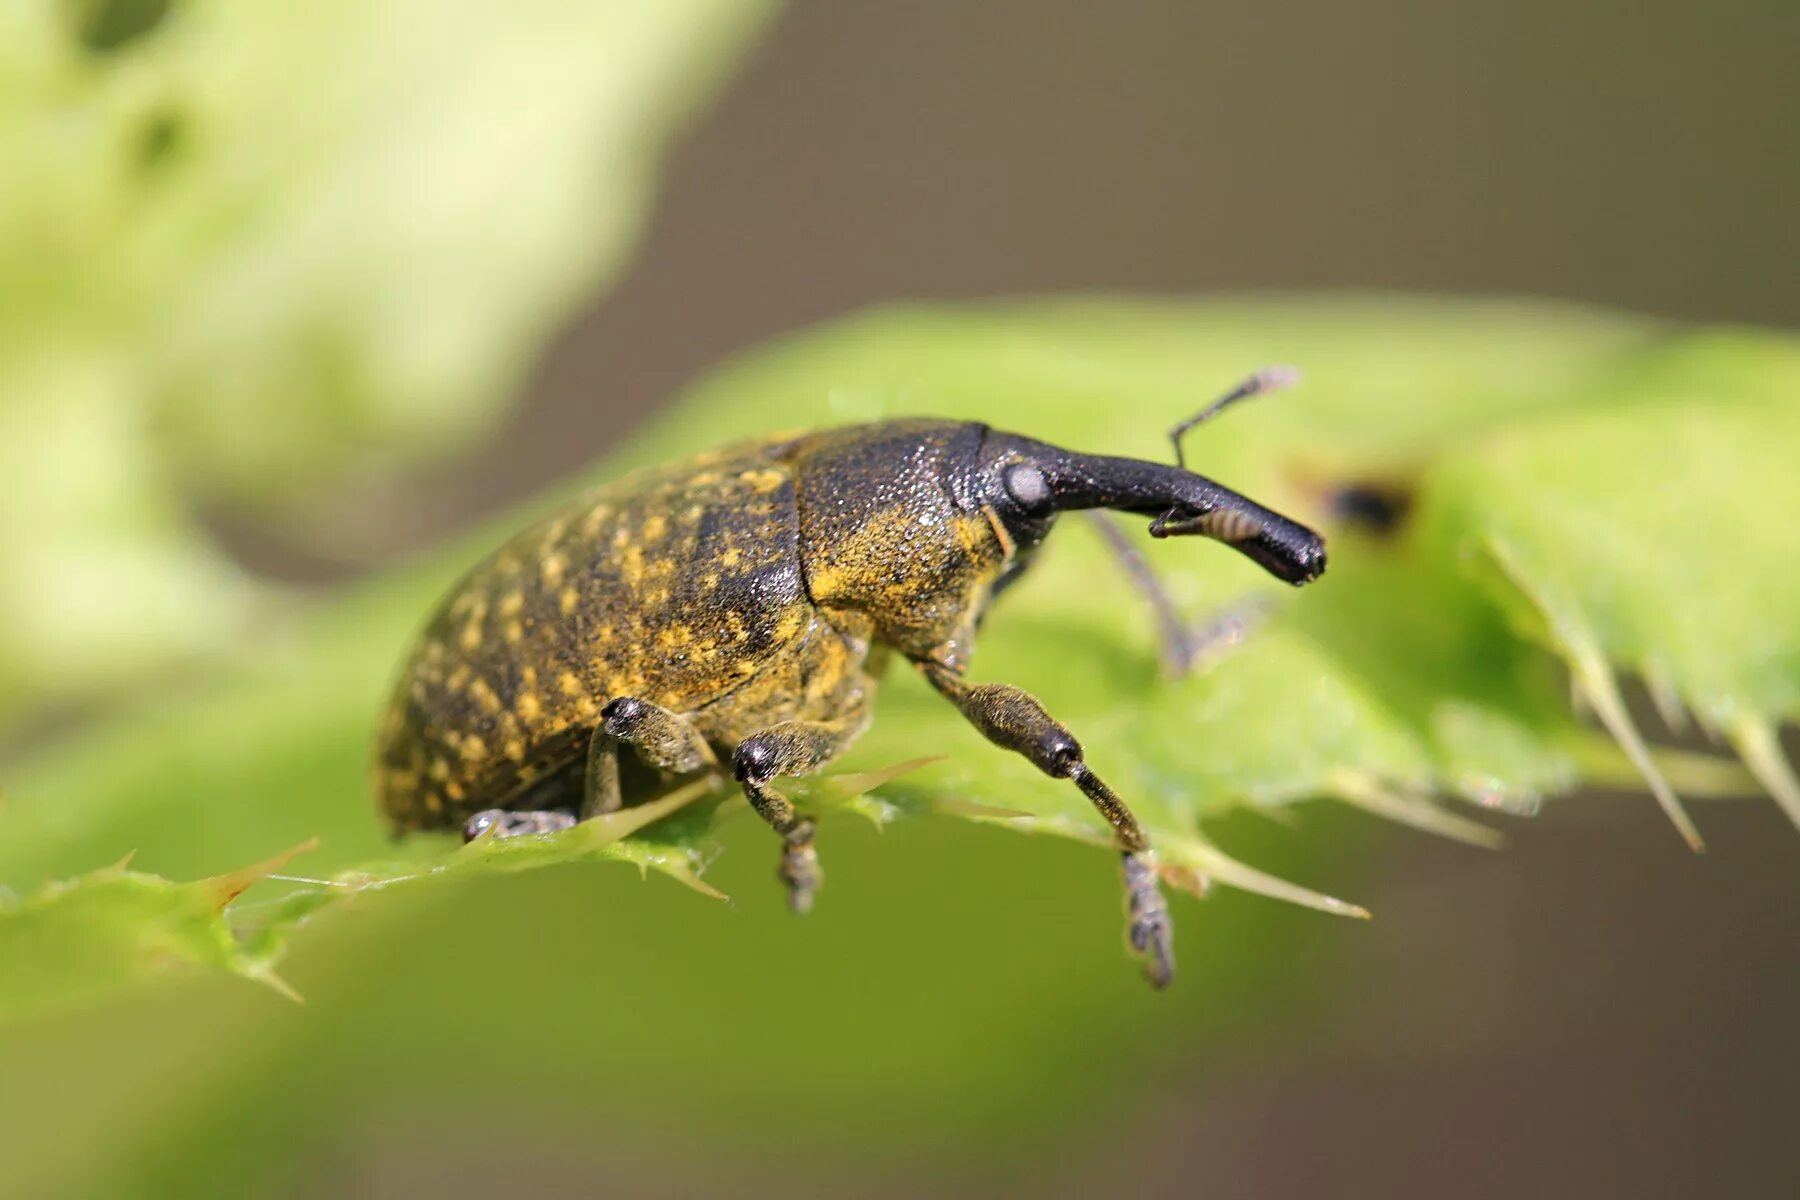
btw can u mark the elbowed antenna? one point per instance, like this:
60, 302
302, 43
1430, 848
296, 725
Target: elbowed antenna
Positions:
1285, 548
1259, 383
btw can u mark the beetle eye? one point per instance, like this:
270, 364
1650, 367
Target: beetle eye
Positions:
1028, 488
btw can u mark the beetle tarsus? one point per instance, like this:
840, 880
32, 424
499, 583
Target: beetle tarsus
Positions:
800, 868
500, 823
1151, 933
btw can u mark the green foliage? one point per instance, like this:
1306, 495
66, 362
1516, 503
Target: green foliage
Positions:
1608, 490
112, 927
248, 248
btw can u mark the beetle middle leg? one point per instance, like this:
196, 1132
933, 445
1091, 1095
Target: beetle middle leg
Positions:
1014, 720
665, 740
1186, 647
792, 748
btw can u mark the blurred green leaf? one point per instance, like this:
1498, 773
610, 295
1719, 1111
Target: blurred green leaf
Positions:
80, 938
1564, 471
245, 248
1654, 530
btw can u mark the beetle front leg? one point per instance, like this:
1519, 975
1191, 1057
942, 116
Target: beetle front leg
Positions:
1014, 720
792, 748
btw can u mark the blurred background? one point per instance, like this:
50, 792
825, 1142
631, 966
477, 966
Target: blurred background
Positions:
1624, 154
1591, 1012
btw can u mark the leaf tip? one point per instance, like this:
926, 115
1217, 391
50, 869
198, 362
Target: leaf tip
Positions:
857, 783
1364, 791
1665, 697
270, 979
1592, 687
223, 889
958, 806
1757, 744
1596, 682
1198, 855
684, 873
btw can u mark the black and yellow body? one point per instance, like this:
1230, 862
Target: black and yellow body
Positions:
733, 612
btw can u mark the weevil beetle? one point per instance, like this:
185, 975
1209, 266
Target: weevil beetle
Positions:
739, 607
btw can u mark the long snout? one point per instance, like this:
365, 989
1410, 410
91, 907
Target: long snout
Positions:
1184, 504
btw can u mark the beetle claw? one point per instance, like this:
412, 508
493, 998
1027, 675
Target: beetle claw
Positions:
1151, 932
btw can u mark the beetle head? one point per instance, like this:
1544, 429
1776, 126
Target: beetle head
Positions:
1029, 482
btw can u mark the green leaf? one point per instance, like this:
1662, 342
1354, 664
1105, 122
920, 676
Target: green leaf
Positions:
80, 938
1578, 484
1675, 560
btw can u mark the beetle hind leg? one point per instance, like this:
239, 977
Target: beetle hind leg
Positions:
792, 748
664, 740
